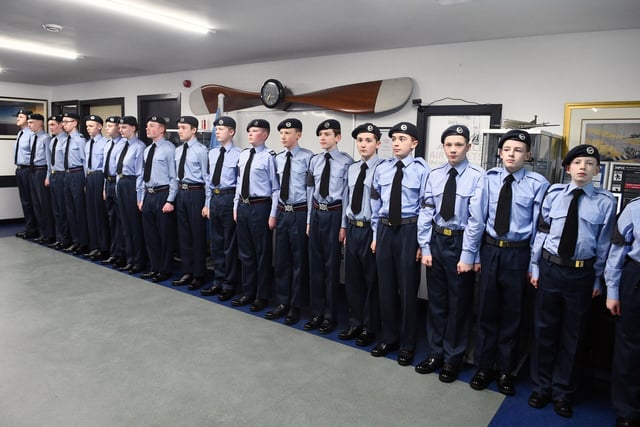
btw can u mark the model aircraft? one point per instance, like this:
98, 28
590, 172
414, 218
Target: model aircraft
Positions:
519, 124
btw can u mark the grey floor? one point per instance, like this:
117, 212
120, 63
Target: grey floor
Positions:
84, 345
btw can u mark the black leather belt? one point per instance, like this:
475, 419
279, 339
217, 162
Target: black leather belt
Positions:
153, 190
359, 223
221, 191
255, 200
22, 166
574, 263
505, 243
188, 187
333, 206
284, 207
53, 172
127, 176
94, 172
75, 170
40, 168
403, 221
446, 231
111, 178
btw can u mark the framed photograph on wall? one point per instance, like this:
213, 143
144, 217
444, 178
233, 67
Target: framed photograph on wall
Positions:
612, 127
8, 109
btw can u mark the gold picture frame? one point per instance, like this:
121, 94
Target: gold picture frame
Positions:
613, 127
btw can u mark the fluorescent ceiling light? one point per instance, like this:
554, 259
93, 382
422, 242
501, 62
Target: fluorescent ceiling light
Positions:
36, 48
450, 2
152, 13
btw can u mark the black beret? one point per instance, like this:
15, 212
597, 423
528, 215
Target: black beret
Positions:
190, 120
455, 130
225, 121
366, 127
328, 124
584, 150
129, 120
290, 124
24, 111
259, 123
36, 116
516, 135
405, 127
158, 119
94, 118
73, 116
113, 119
57, 118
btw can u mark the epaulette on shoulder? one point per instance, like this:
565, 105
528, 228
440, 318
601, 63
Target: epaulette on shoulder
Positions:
477, 168
604, 192
494, 171
555, 187
535, 176
421, 161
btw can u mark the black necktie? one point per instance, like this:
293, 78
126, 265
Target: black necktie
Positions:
183, 158
503, 210
324, 179
66, 153
449, 197
33, 150
395, 199
147, 163
53, 151
286, 177
15, 155
120, 165
358, 190
108, 159
217, 171
89, 163
569, 237
245, 176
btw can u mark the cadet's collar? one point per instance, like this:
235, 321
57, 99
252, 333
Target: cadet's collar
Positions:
588, 189
406, 161
372, 161
518, 175
460, 167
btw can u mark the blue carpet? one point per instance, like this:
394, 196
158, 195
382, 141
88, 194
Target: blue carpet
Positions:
591, 405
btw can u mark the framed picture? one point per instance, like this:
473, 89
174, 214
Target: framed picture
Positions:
8, 109
612, 127
433, 120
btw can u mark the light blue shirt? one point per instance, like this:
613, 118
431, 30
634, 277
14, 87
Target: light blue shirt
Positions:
263, 180
470, 208
42, 148
163, 168
24, 146
56, 153
76, 142
115, 154
229, 172
133, 163
338, 189
596, 211
97, 154
300, 159
195, 164
352, 177
625, 243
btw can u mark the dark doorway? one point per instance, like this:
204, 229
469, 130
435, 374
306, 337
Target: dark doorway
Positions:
164, 105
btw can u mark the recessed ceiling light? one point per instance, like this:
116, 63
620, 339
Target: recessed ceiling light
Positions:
52, 28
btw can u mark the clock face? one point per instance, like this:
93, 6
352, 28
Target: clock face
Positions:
272, 93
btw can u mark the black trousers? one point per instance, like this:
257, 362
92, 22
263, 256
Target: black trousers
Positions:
192, 235
97, 221
291, 259
361, 279
224, 246
76, 207
115, 227
131, 222
23, 179
255, 248
159, 232
41, 202
56, 185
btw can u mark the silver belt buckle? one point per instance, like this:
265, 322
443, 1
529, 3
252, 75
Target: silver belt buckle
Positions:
323, 206
184, 186
288, 208
245, 201
150, 190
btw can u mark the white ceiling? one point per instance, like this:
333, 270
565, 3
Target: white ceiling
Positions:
249, 31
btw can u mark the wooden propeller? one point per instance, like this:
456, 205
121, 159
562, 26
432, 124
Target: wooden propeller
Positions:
359, 98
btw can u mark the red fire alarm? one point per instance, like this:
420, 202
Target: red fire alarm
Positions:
186, 83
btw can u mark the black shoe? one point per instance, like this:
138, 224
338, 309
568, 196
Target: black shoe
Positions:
429, 365
82, 250
258, 305
126, 267
365, 338
243, 300
54, 245
184, 280
314, 323
196, 283
135, 269
538, 401
383, 349
349, 334
32, 235
563, 408
47, 240
277, 312
481, 379
71, 248
226, 294
506, 384
92, 253
38, 239
327, 327
209, 292
101, 255
121, 263
110, 260
160, 277
448, 374
293, 316
405, 358
148, 275
21, 234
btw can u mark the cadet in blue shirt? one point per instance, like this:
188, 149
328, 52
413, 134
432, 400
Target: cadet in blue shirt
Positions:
567, 262
622, 276
361, 276
40, 195
158, 199
450, 229
55, 182
22, 160
327, 188
221, 180
514, 196
97, 221
74, 177
255, 204
129, 189
112, 150
396, 193
191, 166
291, 258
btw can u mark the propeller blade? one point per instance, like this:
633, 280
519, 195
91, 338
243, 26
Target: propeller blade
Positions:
360, 98
205, 99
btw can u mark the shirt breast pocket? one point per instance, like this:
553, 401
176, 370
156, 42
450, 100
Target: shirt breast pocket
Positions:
524, 202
